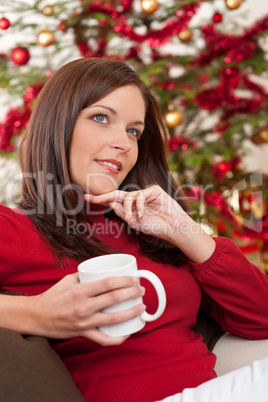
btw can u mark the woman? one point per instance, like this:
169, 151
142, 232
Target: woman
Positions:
96, 134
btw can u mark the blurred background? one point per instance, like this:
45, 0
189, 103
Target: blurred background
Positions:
207, 63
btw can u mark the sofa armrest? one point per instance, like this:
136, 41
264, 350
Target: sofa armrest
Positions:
234, 352
31, 371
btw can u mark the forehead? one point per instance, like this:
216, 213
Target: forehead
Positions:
127, 96
125, 90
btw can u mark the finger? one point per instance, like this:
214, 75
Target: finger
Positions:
140, 200
105, 285
112, 196
102, 319
118, 209
134, 201
91, 198
88, 197
116, 296
104, 340
129, 203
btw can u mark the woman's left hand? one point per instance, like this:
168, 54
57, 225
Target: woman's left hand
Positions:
154, 212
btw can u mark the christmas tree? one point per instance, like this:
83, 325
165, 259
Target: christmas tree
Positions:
203, 76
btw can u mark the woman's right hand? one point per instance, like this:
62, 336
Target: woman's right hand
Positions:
70, 308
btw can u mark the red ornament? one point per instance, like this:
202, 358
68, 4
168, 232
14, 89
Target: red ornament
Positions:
62, 26
4, 23
220, 169
20, 55
224, 167
217, 17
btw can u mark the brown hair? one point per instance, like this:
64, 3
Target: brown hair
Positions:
45, 149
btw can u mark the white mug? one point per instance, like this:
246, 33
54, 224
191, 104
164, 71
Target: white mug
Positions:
120, 265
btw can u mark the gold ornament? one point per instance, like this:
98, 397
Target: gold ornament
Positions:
48, 10
258, 208
149, 6
261, 137
233, 4
173, 117
45, 38
185, 35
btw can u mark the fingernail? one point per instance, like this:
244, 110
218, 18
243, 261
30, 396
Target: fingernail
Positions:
142, 290
142, 308
139, 214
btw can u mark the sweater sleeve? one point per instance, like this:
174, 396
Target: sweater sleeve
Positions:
235, 292
10, 249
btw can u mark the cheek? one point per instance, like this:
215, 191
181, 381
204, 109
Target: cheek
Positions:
77, 161
134, 156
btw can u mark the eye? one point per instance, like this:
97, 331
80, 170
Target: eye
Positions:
135, 132
100, 118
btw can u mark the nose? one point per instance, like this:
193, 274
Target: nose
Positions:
121, 140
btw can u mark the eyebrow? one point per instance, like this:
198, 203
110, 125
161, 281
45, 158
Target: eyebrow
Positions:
114, 112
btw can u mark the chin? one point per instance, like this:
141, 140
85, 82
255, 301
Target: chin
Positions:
99, 184
102, 189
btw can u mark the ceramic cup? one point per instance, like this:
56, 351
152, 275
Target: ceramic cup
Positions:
120, 265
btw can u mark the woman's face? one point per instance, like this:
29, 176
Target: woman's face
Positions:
104, 143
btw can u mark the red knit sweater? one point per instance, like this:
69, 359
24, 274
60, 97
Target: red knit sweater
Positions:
166, 356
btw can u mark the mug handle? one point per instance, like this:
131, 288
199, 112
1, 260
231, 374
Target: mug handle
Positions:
160, 290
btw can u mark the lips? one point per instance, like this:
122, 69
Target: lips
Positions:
111, 165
